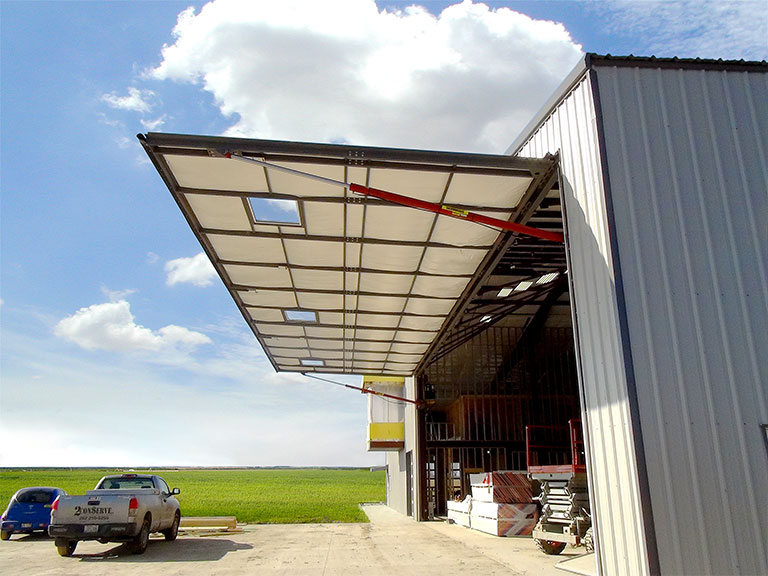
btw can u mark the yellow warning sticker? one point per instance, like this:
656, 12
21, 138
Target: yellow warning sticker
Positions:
456, 211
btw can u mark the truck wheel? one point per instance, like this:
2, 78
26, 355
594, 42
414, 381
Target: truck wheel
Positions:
589, 540
139, 544
67, 548
171, 533
550, 547
5, 534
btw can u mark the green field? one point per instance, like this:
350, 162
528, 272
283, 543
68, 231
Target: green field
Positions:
264, 496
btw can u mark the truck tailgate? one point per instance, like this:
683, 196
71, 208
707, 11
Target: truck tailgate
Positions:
92, 509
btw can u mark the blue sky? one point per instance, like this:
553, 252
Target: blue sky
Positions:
119, 347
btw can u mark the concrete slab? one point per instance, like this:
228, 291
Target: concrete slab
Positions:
583, 565
389, 544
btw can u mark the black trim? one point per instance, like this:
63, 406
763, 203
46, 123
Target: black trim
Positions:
764, 430
629, 367
117, 532
596, 60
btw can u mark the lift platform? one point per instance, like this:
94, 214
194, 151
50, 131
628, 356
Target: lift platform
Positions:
555, 459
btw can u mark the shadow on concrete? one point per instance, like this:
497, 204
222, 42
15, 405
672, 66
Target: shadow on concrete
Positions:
33, 537
181, 550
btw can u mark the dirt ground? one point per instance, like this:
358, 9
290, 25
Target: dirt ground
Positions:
389, 544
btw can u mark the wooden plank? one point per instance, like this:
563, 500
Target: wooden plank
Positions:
227, 522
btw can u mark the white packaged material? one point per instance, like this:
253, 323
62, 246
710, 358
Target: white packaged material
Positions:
501, 519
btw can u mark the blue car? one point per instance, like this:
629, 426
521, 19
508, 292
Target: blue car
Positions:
28, 510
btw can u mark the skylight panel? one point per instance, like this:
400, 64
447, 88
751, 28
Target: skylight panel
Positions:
275, 211
300, 316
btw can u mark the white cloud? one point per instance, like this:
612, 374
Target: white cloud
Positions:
253, 416
733, 29
111, 326
283, 205
196, 270
137, 100
115, 295
151, 125
467, 79
124, 142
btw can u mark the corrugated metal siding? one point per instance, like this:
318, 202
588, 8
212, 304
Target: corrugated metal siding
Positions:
686, 154
571, 129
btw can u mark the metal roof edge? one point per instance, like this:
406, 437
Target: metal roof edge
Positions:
591, 60
358, 153
573, 78
631, 61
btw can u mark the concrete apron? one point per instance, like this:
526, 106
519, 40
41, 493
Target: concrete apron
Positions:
389, 544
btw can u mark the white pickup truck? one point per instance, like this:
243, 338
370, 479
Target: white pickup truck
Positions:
122, 508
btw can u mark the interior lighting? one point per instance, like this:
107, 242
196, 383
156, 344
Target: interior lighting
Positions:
547, 278
486, 318
504, 292
312, 362
523, 286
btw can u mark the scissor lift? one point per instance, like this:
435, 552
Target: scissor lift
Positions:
565, 516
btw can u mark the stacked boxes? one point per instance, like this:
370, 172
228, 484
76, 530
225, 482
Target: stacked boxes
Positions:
502, 503
458, 512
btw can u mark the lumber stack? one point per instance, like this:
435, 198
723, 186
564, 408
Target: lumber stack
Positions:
502, 503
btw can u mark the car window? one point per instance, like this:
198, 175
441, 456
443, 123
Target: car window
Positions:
127, 483
35, 497
163, 486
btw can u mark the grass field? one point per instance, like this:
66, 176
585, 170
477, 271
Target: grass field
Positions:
264, 496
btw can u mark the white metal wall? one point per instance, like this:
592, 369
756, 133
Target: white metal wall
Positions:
397, 496
688, 182
571, 130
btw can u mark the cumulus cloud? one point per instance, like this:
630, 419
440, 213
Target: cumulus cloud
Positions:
692, 28
196, 270
467, 79
136, 100
111, 326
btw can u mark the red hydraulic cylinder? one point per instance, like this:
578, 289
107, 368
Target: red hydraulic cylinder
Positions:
456, 213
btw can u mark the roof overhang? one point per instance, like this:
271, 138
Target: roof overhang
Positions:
346, 283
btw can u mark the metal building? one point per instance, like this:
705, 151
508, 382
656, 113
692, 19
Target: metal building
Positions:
650, 320
665, 180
